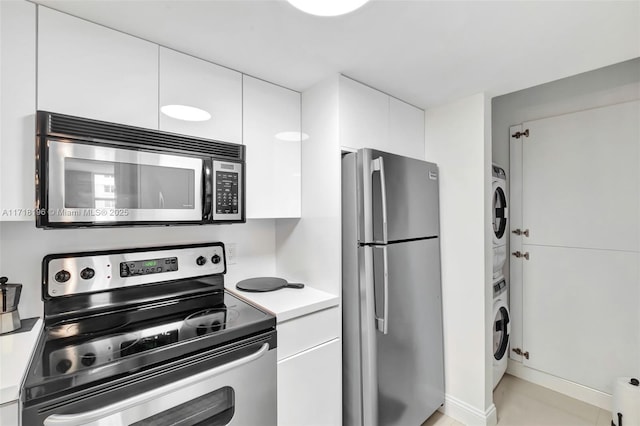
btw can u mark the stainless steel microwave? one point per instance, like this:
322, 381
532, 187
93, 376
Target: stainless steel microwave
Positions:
95, 173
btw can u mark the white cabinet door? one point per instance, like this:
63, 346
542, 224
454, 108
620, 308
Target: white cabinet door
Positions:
364, 116
92, 71
271, 132
581, 179
406, 129
372, 119
581, 320
189, 81
18, 105
9, 412
575, 299
310, 387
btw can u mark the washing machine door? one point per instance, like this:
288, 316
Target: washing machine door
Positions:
501, 330
499, 213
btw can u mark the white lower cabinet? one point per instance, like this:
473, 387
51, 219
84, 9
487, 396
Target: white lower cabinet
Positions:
9, 414
310, 387
310, 370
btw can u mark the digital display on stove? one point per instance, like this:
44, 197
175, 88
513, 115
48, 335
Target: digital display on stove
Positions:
149, 266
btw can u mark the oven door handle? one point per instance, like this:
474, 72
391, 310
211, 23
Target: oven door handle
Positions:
100, 413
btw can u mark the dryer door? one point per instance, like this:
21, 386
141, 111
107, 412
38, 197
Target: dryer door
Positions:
501, 330
499, 209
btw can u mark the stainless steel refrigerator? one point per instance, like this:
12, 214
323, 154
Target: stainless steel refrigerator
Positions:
393, 368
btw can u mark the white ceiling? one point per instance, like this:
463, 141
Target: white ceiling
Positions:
424, 52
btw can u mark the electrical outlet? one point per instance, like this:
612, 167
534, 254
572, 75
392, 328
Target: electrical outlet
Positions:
232, 251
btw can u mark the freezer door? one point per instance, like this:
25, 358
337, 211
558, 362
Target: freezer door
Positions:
399, 197
409, 358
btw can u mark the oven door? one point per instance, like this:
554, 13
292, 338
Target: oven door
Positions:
89, 184
239, 392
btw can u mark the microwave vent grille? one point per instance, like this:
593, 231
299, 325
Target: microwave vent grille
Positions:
100, 131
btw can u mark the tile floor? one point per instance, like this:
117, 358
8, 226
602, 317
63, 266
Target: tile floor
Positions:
521, 403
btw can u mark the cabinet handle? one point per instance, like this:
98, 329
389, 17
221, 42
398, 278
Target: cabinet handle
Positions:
521, 232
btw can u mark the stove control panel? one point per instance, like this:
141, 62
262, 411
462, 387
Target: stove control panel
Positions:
149, 266
81, 273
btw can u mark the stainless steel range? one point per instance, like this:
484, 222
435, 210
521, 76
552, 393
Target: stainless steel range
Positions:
149, 337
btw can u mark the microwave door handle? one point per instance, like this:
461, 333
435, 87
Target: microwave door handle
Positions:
207, 190
102, 412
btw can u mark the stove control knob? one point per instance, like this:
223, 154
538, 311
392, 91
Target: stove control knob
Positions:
87, 273
201, 260
62, 276
88, 359
215, 259
63, 366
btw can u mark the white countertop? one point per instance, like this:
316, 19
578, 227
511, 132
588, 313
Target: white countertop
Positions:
289, 303
15, 353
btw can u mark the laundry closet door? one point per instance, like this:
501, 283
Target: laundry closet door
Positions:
580, 287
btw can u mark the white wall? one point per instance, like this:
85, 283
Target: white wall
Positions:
458, 140
22, 247
309, 249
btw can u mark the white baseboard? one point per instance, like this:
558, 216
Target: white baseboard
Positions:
467, 414
574, 390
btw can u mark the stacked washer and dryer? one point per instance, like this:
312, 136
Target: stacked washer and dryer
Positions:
501, 325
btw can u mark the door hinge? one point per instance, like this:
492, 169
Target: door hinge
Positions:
518, 135
521, 232
519, 254
518, 351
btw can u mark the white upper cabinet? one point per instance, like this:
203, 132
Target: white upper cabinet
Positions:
406, 129
189, 81
271, 132
92, 71
372, 119
18, 104
364, 116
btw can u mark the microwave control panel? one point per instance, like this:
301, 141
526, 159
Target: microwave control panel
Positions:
227, 184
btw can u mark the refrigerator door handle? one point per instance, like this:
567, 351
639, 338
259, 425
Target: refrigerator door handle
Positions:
377, 165
383, 323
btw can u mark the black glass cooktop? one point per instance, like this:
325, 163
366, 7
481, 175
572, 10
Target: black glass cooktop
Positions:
75, 353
